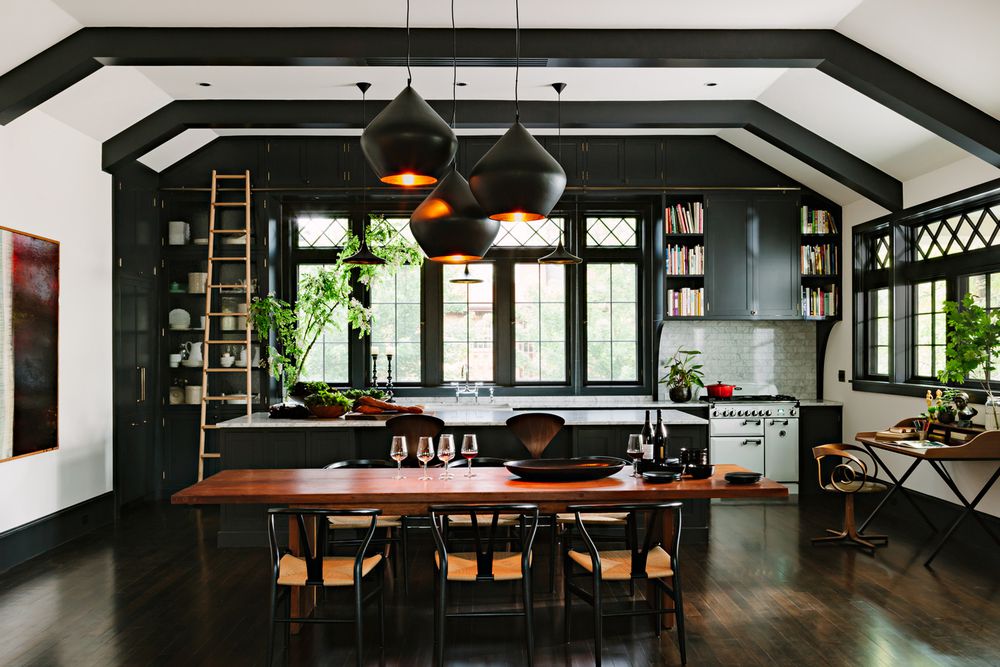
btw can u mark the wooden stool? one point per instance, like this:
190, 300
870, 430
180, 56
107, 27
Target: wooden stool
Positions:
848, 477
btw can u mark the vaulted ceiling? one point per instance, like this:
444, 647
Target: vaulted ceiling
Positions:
950, 46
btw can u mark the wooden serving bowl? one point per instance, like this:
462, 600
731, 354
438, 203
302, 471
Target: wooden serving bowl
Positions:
328, 411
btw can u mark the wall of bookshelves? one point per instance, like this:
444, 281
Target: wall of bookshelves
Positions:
819, 262
684, 257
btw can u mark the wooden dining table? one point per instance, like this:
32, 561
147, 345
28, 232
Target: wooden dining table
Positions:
378, 488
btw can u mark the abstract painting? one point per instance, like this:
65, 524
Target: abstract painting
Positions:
29, 344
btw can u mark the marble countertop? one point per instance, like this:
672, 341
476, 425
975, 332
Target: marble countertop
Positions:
473, 416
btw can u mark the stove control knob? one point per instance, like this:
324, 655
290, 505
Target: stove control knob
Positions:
756, 413
768, 413
791, 413
727, 413
715, 413
742, 413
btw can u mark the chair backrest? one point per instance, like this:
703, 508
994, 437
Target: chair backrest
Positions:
479, 462
652, 533
484, 519
535, 430
315, 539
360, 463
414, 427
848, 476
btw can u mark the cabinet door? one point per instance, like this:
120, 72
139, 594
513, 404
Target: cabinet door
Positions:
471, 150
569, 153
137, 232
781, 454
728, 274
776, 267
604, 162
643, 161
284, 162
745, 452
321, 162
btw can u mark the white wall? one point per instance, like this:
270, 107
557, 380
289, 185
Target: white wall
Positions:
51, 184
866, 411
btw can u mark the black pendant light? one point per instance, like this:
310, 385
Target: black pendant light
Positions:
364, 256
449, 226
408, 143
560, 255
517, 180
466, 278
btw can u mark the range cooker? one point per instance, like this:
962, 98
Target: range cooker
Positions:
757, 431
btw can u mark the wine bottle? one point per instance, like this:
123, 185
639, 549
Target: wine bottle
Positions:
662, 428
659, 445
647, 438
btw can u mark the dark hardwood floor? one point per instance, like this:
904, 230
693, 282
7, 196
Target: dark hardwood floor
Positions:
156, 591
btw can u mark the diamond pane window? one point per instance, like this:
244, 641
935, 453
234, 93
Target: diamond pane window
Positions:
929, 328
612, 323
395, 305
881, 252
401, 226
534, 234
327, 361
468, 324
321, 231
985, 290
539, 322
975, 230
612, 232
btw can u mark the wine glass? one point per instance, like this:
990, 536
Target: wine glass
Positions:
634, 451
470, 448
425, 452
397, 452
446, 452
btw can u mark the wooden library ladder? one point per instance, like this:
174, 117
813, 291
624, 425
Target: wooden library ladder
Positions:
214, 289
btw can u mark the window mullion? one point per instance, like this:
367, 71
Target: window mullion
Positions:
503, 323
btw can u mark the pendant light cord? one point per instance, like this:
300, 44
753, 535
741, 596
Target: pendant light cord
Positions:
454, 68
409, 75
364, 181
517, 58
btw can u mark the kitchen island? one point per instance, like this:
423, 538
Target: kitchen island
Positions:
258, 442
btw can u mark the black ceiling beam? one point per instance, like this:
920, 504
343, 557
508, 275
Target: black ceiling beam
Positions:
82, 53
174, 118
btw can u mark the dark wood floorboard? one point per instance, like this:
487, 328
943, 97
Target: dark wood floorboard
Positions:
156, 591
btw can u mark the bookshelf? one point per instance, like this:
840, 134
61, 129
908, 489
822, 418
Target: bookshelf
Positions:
684, 258
819, 263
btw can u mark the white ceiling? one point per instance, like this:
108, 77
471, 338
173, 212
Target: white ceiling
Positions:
468, 13
483, 83
952, 44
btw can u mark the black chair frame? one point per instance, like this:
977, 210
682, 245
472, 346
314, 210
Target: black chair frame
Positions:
383, 538
313, 554
639, 549
528, 524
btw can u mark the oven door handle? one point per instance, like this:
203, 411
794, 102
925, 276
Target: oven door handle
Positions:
775, 421
755, 422
750, 441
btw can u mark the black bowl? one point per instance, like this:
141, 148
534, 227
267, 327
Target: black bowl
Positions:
661, 476
700, 471
743, 477
671, 465
565, 470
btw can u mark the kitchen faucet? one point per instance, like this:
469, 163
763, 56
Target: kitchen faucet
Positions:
468, 388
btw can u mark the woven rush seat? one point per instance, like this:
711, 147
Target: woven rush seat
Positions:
463, 520
609, 518
362, 522
337, 570
617, 565
854, 487
462, 566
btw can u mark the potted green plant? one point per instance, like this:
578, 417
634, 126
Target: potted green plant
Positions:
973, 343
324, 296
683, 374
327, 403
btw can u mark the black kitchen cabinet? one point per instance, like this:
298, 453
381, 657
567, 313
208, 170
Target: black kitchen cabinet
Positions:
603, 164
471, 150
642, 161
818, 425
315, 161
569, 152
137, 230
751, 256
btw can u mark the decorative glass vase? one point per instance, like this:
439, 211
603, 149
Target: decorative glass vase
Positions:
991, 415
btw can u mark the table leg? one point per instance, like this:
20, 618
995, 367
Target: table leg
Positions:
897, 485
970, 508
303, 597
666, 534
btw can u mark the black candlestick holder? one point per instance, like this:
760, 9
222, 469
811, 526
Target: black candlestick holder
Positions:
388, 377
375, 370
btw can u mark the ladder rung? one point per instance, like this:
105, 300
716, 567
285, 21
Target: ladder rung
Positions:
229, 231
211, 455
235, 341
229, 259
227, 314
226, 370
229, 177
231, 203
224, 398
234, 286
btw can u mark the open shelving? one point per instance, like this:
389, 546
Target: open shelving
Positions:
819, 261
684, 258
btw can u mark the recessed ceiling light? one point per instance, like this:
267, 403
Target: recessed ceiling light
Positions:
204, 84
711, 84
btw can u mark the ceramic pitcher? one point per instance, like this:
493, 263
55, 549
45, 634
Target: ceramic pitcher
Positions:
194, 352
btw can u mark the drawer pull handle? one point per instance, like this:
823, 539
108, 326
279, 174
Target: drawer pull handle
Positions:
755, 422
751, 442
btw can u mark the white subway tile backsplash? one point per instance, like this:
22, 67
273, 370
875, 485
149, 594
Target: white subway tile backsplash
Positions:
779, 353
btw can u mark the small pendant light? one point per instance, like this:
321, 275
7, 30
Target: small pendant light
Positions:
408, 143
364, 256
517, 180
449, 226
560, 255
466, 278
